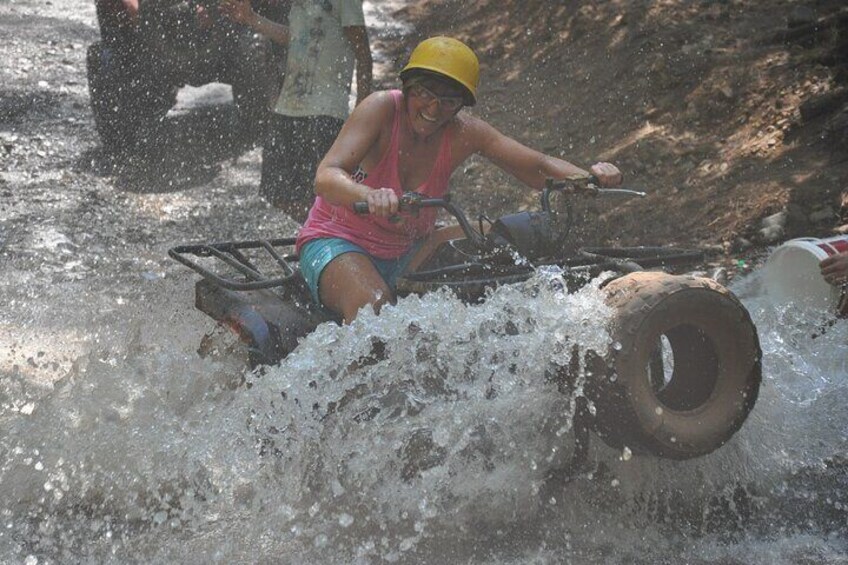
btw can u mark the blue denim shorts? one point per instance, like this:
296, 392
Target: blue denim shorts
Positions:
317, 254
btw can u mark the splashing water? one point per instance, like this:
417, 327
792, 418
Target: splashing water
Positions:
433, 415
422, 434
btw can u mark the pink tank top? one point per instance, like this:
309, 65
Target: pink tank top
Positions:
378, 236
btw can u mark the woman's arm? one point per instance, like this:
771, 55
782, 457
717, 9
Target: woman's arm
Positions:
360, 133
242, 12
527, 165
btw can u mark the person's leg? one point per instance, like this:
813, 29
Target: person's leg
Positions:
342, 277
324, 130
275, 163
295, 194
341, 295
313, 137
431, 244
290, 158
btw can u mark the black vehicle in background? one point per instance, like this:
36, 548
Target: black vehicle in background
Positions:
149, 49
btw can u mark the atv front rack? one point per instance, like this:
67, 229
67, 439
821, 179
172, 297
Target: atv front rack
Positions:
231, 253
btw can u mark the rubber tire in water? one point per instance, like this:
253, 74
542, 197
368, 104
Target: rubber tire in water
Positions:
716, 366
126, 98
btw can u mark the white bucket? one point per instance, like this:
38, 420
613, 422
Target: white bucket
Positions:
792, 273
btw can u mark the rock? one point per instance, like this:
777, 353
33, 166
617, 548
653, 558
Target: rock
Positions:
741, 244
773, 226
801, 15
796, 214
822, 214
720, 276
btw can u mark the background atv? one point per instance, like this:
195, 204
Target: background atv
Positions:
149, 49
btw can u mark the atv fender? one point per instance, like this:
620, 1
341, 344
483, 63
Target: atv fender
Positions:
270, 322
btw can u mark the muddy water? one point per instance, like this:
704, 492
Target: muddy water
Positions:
423, 435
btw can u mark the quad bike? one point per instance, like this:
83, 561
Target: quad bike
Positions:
639, 399
151, 48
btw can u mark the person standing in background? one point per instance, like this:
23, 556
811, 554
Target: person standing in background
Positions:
326, 40
834, 269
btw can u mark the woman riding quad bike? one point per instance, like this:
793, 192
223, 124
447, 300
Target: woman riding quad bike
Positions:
680, 376
367, 241
404, 141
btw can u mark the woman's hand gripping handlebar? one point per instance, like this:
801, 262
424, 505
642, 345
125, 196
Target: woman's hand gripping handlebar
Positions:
412, 202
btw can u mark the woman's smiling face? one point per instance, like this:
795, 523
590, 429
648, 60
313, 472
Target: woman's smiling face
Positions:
431, 104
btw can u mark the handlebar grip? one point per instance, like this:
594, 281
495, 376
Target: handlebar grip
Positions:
409, 202
360, 207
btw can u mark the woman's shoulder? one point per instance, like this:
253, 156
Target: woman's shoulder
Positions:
379, 103
471, 132
470, 124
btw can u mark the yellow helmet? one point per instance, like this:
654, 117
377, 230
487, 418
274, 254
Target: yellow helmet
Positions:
449, 57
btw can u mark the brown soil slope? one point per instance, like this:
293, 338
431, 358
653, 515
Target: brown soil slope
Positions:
725, 111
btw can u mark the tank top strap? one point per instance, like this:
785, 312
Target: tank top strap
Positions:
397, 98
385, 172
443, 162
394, 143
436, 184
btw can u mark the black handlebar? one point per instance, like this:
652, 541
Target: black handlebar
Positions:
411, 202
588, 186
360, 207
233, 253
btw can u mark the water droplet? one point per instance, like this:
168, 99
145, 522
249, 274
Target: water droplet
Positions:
320, 541
658, 410
345, 520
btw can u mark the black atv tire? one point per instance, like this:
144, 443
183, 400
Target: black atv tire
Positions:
124, 101
693, 407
